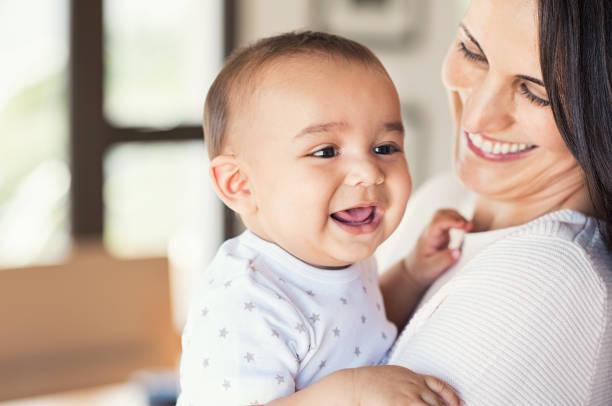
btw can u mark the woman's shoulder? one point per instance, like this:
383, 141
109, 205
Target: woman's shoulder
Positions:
563, 249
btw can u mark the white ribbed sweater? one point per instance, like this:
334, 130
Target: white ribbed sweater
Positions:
526, 321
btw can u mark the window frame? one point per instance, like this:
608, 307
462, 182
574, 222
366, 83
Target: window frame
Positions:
91, 135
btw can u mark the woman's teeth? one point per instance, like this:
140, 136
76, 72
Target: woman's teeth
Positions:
497, 147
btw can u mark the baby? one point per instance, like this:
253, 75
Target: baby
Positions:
305, 136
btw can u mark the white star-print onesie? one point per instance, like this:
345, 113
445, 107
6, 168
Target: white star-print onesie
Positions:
264, 324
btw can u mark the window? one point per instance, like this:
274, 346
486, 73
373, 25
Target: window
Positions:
34, 164
160, 59
94, 93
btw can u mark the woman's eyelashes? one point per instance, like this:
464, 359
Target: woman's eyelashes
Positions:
473, 56
477, 57
532, 97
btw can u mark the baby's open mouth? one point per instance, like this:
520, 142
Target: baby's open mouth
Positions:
356, 216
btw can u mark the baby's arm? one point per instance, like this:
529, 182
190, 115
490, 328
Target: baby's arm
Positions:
403, 285
378, 385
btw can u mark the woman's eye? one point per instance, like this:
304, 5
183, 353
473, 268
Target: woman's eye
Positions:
327, 152
532, 97
386, 149
473, 56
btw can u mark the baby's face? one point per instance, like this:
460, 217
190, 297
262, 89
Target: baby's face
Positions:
322, 145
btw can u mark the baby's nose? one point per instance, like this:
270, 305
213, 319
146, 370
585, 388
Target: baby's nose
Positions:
364, 173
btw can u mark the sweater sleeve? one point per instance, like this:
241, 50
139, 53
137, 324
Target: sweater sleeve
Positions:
522, 324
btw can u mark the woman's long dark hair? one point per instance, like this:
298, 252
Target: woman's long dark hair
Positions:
576, 59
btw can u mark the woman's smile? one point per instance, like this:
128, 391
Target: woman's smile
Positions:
492, 150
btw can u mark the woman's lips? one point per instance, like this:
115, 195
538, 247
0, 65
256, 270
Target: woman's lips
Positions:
358, 219
496, 150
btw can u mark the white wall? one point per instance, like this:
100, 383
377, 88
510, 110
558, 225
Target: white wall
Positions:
415, 68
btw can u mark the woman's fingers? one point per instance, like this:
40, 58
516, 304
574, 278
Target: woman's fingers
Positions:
444, 390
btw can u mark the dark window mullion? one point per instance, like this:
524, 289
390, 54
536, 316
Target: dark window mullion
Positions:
231, 225
116, 135
87, 137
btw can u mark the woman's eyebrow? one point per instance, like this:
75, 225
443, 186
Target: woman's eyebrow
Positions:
467, 32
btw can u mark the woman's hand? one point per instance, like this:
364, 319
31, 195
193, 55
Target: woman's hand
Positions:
393, 385
431, 255
385, 385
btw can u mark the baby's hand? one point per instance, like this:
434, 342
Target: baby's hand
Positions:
432, 256
394, 385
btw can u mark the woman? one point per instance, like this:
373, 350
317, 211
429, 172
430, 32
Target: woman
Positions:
525, 317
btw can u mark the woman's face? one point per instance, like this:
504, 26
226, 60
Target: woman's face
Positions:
507, 144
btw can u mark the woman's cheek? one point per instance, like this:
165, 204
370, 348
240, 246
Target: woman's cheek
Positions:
454, 70
542, 129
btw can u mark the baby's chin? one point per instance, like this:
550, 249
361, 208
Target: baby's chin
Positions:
345, 259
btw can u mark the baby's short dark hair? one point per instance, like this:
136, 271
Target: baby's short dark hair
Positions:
244, 63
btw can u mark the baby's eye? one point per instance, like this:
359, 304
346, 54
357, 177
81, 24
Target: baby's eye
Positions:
386, 149
327, 152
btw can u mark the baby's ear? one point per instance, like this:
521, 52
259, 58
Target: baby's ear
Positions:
232, 184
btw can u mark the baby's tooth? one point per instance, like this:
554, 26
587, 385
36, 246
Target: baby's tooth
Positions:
514, 148
477, 140
522, 147
487, 146
497, 148
505, 148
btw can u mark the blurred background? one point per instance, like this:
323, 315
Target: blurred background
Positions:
106, 212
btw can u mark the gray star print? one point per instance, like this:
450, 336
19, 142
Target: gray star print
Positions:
378, 306
300, 327
227, 384
357, 351
205, 363
365, 290
310, 293
249, 357
275, 333
384, 336
314, 318
336, 332
280, 379
249, 306
204, 311
322, 365
223, 333
343, 300
227, 284
363, 319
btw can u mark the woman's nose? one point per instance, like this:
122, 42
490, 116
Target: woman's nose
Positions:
363, 172
487, 107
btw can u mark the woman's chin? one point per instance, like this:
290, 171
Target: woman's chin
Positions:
478, 180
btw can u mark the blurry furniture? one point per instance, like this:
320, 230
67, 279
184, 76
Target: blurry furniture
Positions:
92, 321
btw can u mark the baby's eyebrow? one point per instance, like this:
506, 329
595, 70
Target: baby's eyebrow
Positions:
321, 128
394, 126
